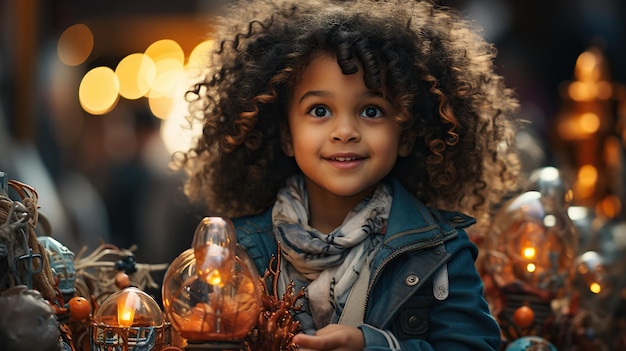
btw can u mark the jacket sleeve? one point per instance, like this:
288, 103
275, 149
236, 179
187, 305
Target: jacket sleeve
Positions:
255, 237
460, 322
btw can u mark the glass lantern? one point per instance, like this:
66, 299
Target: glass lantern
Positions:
62, 263
129, 320
529, 253
531, 246
210, 293
601, 283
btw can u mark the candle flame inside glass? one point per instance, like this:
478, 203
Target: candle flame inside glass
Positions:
126, 305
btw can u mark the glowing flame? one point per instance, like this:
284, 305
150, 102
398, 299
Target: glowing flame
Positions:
214, 278
126, 305
209, 260
529, 253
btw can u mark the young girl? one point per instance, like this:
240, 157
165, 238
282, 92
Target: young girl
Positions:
353, 134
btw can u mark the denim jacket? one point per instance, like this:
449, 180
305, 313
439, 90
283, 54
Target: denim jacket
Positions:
424, 291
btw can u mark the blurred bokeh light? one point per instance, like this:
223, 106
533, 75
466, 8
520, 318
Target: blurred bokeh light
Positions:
99, 90
75, 44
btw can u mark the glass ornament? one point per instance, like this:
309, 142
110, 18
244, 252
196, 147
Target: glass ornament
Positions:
601, 271
558, 195
210, 294
550, 183
601, 281
531, 246
130, 320
61, 262
593, 273
4, 184
530, 343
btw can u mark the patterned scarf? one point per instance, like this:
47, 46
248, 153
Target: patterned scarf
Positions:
327, 265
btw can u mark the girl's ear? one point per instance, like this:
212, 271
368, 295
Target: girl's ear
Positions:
285, 140
407, 140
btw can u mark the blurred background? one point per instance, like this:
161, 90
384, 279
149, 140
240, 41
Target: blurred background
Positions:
98, 151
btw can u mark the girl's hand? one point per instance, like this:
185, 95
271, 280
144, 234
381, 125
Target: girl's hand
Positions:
335, 337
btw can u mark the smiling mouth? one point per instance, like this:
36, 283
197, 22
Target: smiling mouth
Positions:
345, 158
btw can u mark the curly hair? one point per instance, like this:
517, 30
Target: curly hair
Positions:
433, 63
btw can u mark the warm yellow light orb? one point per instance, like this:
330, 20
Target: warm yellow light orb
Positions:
529, 253
588, 175
589, 122
136, 73
169, 59
199, 55
595, 288
169, 74
161, 106
582, 91
165, 49
98, 92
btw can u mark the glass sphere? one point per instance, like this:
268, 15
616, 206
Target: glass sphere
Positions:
600, 272
592, 270
528, 343
129, 307
550, 183
531, 246
62, 263
214, 246
131, 320
210, 292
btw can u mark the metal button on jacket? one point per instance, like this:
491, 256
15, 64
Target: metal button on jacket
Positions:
411, 280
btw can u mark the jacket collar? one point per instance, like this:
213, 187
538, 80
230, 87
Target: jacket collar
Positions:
411, 226
409, 215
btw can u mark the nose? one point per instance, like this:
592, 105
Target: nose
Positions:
345, 129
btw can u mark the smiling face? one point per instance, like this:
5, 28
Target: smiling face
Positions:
342, 134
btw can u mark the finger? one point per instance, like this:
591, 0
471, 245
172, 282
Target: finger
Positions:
312, 342
327, 330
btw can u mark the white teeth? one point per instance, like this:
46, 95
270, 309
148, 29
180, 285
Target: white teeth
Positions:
344, 159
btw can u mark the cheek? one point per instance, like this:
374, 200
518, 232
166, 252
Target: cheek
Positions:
388, 142
304, 142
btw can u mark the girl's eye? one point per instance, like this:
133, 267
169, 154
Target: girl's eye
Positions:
319, 111
372, 112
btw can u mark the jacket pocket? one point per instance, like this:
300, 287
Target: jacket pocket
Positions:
412, 320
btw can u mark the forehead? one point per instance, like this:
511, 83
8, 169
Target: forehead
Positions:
305, 62
321, 62
323, 73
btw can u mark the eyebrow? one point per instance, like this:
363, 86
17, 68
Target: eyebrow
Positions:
314, 93
318, 93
